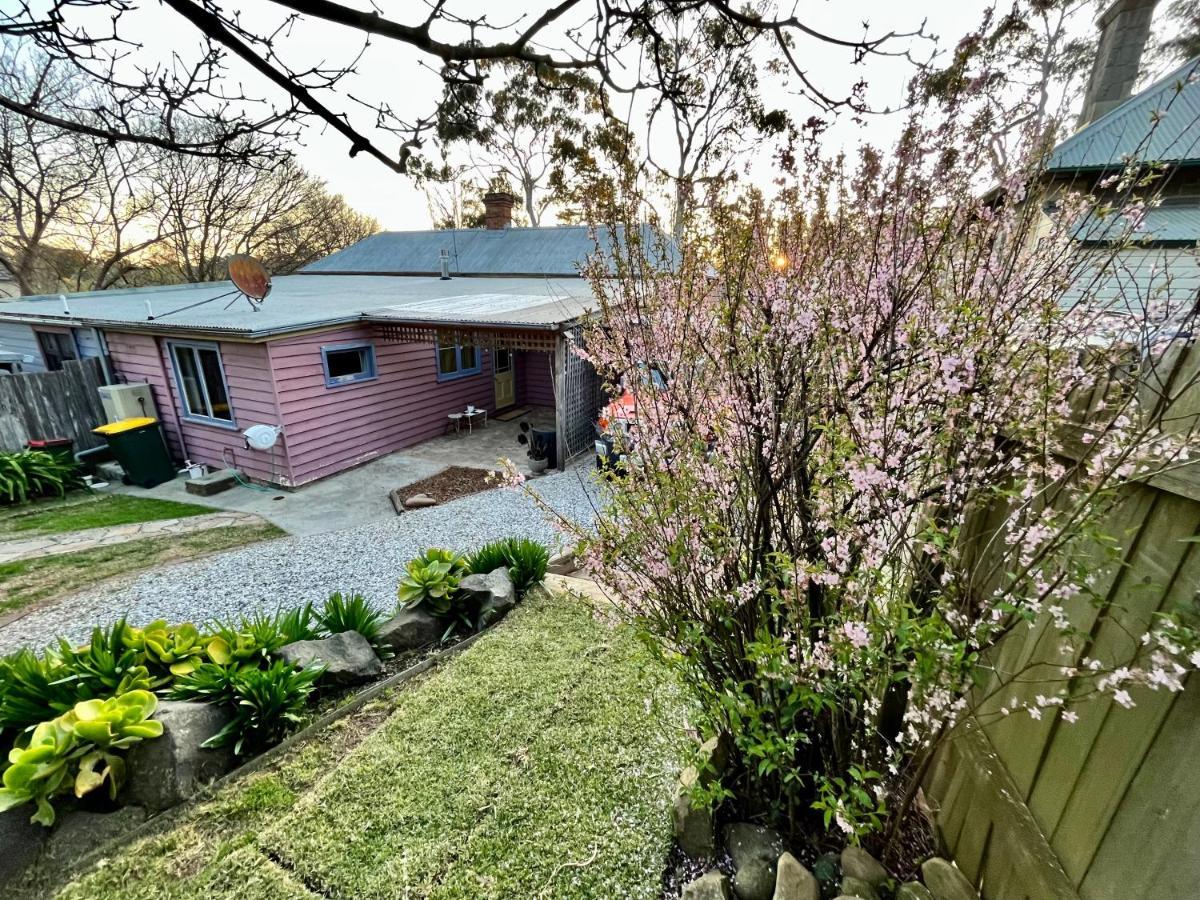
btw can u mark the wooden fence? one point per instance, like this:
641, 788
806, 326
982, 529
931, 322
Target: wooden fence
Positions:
58, 404
1107, 808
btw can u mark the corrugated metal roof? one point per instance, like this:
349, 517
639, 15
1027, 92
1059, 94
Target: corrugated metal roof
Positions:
557, 251
1175, 223
305, 301
1162, 123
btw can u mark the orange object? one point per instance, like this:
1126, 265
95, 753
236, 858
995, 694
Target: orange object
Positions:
250, 276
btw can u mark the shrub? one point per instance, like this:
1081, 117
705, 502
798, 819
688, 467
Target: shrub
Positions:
350, 612
525, 559
432, 579
266, 703
106, 665
248, 642
32, 690
297, 624
28, 474
78, 752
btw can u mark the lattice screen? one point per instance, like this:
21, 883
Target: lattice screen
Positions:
580, 402
512, 339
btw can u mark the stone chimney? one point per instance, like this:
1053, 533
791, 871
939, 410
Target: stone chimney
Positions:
497, 209
1124, 30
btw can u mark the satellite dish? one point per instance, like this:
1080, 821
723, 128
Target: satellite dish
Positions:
250, 277
261, 437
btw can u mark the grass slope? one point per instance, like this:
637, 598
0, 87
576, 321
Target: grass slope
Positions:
29, 581
537, 764
96, 512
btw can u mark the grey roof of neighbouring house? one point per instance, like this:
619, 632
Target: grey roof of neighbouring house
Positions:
557, 251
1130, 130
303, 301
1176, 221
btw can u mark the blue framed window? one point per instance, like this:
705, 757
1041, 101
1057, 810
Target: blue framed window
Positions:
200, 379
348, 363
457, 360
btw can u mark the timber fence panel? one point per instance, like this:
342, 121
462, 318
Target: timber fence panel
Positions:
61, 404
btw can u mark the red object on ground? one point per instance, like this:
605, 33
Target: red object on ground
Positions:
49, 443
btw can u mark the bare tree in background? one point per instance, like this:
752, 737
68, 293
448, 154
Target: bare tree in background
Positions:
46, 177
161, 102
711, 108
216, 207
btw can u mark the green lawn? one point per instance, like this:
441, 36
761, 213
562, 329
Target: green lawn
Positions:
29, 581
94, 512
539, 763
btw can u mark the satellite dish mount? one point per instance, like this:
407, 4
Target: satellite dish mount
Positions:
251, 282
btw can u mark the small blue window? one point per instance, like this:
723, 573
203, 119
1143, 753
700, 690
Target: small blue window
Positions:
348, 363
457, 360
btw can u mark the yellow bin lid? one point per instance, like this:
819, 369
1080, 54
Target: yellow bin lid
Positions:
123, 425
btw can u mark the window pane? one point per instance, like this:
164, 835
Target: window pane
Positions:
503, 360
193, 396
447, 360
218, 398
346, 364
469, 358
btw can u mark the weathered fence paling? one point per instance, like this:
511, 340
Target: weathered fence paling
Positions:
1107, 807
61, 404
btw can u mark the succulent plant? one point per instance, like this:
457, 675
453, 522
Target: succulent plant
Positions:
176, 648
432, 579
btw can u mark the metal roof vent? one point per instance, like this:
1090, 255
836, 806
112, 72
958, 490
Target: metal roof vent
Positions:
445, 261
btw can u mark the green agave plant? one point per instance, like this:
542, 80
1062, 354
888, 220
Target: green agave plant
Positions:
525, 559
266, 703
78, 752
432, 579
249, 641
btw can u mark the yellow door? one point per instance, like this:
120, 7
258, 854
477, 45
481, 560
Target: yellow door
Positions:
506, 383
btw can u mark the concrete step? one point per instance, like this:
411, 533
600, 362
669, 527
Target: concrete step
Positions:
213, 483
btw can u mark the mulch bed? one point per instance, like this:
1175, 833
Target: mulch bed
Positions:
450, 484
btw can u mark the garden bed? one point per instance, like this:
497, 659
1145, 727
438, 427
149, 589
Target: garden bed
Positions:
450, 484
537, 762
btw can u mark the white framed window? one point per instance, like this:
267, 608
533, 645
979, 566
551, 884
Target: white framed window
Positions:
457, 360
348, 363
200, 378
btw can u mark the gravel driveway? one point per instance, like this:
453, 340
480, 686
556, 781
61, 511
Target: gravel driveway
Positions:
289, 571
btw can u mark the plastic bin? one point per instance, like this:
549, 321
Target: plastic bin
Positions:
139, 447
63, 448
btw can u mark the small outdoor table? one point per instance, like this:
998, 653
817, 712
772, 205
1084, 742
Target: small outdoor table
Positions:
470, 415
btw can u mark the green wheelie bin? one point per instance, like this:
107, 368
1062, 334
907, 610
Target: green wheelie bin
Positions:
139, 447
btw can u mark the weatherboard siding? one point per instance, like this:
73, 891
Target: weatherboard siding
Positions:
535, 382
142, 357
333, 428
16, 337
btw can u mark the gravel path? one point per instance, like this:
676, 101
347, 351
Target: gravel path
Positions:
289, 571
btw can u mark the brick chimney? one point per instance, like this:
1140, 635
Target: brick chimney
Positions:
1124, 30
497, 209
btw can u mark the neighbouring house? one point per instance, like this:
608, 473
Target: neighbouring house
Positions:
1159, 125
360, 354
8, 284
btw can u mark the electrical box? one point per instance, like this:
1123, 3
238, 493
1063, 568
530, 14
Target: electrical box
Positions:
127, 401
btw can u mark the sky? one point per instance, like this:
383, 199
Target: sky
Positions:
397, 75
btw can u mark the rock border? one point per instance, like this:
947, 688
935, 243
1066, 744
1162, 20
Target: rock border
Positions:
167, 817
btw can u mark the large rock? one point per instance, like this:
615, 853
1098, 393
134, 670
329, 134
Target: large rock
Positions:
746, 842
693, 825
164, 771
913, 890
79, 832
946, 881
20, 843
494, 592
347, 657
858, 863
827, 869
793, 881
410, 629
714, 759
856, 887
709, 886
755, 880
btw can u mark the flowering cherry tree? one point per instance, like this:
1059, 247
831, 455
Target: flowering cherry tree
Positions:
898, 409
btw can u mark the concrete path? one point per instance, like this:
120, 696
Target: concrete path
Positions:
74, 541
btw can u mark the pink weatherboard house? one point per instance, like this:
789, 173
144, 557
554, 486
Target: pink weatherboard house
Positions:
365, 352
